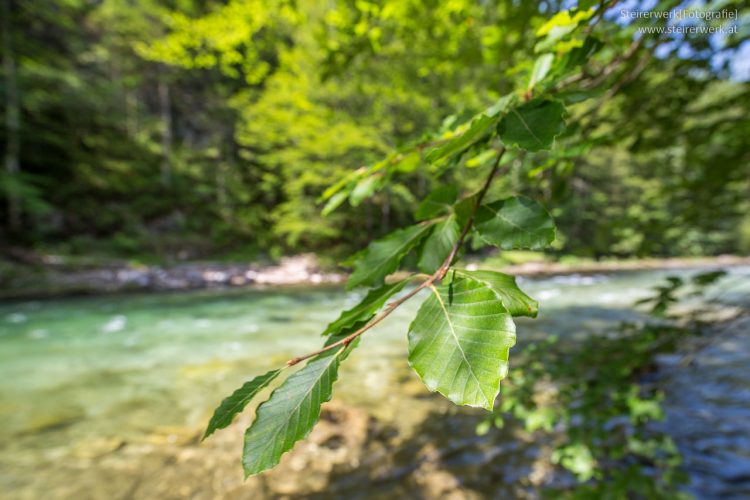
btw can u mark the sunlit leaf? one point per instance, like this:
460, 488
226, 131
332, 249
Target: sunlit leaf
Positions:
459, 342
408, 163
481, 159
364, 189
559, 26
541, 68
478, 128
505, 288
335, 202
336, 187
502, 105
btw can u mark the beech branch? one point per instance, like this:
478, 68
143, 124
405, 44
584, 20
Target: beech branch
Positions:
436, 276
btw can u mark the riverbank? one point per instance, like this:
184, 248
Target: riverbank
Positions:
53, 278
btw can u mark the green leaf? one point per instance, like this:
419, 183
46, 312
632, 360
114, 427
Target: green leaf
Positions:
505, 288
577, 458
464, 208
502, 105
564, 19
438, 202
383, 256
559, 26
352, 259
580, 55
459, 342
438, 245
480, 159
291, 412
708, 278
514, 223
366, 309
541, 68
576, 96
335, 202
335, 188
471, 133
364, 189
533, 125
477, 129
408, 163
235, 403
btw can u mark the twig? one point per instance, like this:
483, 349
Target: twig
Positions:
436, 276
603, 73
603, 6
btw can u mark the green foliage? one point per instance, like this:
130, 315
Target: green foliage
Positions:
504, 286
467, 135
460, 339
534, 125
577, 458
459, 342
437, 203
590, 396
561, 26
197, 129
476, 130
383, 256
238, 400
365, 310
586, 395
211, 125
231, 37
708, 278
665, 296
291, 412
438, 245
542, 67
515, 223
668, 293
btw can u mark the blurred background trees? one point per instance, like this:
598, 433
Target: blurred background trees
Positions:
206, 129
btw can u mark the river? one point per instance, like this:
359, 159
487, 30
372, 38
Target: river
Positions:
92, 389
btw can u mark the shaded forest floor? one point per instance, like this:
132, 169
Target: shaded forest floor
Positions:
51, 276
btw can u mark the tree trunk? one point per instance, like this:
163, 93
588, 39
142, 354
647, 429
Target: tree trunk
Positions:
131, 112
221, 189
385, 209
165, 110
12, 120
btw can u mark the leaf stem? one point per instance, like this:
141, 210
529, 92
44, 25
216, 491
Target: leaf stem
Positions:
436, 276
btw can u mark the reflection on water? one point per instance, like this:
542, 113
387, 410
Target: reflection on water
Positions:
121, 369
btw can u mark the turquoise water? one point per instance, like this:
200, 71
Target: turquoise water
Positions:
119, 367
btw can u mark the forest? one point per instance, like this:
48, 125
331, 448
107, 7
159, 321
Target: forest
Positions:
375, 249
207, 130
